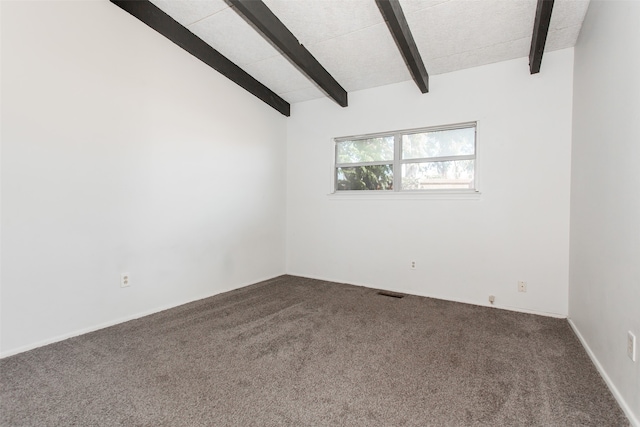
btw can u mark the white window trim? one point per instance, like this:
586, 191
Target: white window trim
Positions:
396, 193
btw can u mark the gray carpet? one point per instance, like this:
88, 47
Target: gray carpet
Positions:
301, 352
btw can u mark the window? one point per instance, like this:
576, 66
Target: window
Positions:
430, 159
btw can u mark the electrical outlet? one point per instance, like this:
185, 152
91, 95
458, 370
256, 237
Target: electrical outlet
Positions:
492, 299
125, 280
413, 265
522, 286
631, 346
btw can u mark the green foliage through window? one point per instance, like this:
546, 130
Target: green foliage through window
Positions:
376, 177
442, 158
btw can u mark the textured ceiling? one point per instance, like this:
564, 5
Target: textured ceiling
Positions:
351, 40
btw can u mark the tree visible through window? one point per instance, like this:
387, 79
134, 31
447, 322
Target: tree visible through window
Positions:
368, 164
442, 158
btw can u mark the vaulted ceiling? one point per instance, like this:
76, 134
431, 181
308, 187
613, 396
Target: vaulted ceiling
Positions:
353, 43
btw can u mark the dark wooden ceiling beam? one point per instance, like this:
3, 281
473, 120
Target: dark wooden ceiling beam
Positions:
540, 31
155, 18
397, 23
260, 16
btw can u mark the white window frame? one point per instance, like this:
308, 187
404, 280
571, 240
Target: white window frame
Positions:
398, 161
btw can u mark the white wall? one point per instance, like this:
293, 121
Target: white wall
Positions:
517, 229
604, 289
123, 153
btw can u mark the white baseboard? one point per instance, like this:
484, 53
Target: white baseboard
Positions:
623, 404
114, 322
441, 297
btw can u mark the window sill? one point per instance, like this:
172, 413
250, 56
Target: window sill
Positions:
406, 195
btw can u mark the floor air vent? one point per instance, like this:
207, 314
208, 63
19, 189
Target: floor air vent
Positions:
390, 294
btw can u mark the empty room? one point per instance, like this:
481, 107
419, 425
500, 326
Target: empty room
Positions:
320, 213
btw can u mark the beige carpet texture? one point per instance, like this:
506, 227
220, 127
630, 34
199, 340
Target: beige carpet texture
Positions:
300, 352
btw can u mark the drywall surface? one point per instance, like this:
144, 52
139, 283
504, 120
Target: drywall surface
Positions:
123, 153
465, 249
604, 289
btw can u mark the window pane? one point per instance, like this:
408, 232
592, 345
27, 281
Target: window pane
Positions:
378, 177
455, 142
438, 175
365, 150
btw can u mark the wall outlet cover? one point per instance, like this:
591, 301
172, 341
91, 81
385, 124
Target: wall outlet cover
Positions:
125, 280
522, 286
